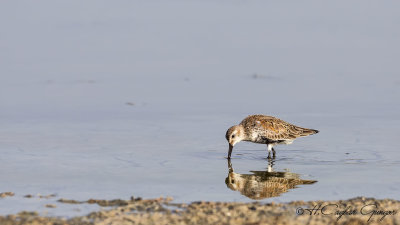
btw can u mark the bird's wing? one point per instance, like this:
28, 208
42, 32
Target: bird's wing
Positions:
276, 129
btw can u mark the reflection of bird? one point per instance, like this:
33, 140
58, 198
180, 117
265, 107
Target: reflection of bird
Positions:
264, 129
263, 184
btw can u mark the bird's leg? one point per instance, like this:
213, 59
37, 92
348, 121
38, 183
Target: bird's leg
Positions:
269, 147
273, 153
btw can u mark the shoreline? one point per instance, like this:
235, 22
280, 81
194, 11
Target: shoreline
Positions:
359, 210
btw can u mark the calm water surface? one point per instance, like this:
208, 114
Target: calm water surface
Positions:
135, 99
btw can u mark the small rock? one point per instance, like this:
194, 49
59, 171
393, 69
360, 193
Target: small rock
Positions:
69, 201
47, 196
252, 208
6, 194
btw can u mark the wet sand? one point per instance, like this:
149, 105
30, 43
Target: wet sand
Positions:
358, 210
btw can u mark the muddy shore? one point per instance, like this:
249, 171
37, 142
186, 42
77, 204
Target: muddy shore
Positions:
358, 210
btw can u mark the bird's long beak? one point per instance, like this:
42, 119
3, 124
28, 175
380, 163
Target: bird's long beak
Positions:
230, 150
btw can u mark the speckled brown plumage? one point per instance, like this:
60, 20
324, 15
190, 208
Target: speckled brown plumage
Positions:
273, 129
265, 129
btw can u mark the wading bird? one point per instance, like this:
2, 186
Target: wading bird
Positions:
265, 129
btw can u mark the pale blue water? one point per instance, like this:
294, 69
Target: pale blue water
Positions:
68, 70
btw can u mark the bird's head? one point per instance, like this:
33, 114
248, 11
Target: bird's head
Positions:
234, 135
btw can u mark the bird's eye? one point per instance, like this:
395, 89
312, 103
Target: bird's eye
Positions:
233, 136
233, 181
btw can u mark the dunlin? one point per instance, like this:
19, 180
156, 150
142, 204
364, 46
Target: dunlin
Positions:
265, 129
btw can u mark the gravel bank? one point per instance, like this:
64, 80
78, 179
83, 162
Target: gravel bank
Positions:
162, 211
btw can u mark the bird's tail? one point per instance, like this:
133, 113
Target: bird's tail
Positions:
308, 181
306, 132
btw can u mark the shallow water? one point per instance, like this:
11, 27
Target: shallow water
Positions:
131, 99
